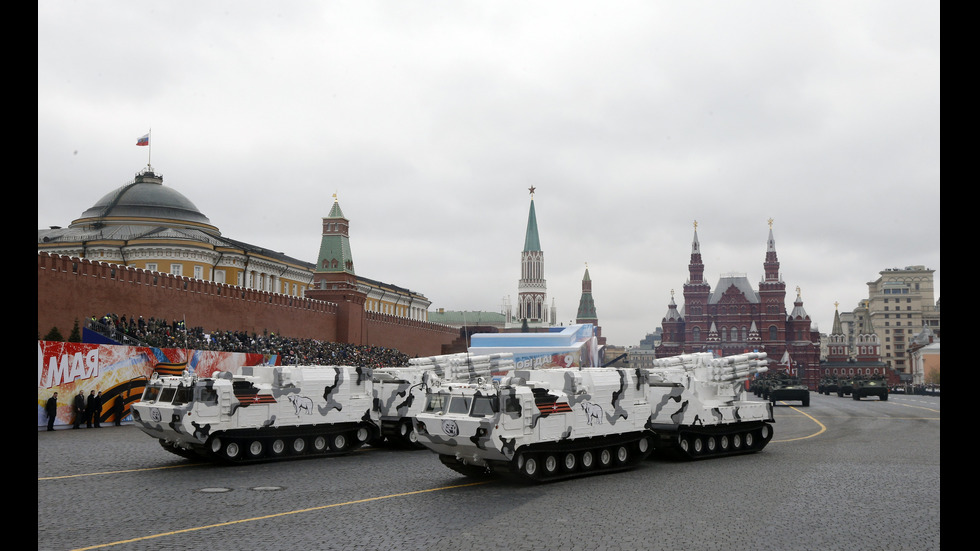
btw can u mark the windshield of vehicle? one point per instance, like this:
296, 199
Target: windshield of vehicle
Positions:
436, 403
151, 393
484, 405
459, 404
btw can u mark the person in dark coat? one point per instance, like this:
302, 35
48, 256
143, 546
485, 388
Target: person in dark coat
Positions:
97, 410
79, 407
117, 408
89, 409
51, 408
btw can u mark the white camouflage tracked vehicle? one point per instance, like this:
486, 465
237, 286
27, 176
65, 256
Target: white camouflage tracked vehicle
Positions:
699, 408
539, 425
548, 424
265, 413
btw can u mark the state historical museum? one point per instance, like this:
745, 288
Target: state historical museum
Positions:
735, 318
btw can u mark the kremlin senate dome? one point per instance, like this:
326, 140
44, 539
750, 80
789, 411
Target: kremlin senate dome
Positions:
145, 200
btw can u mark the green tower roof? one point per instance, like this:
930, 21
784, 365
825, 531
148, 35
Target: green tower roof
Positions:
531, 242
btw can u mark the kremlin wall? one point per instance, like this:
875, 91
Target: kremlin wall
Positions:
70, 289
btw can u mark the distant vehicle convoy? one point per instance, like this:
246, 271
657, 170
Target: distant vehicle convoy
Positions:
479, 414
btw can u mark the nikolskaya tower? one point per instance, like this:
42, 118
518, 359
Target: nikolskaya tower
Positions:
532, 288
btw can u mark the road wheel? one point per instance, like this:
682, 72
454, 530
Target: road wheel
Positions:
339, 442
407, 432
569, 461
736, 441
749, 440
643, 445
587, 460
765, 432
684, 444
255, 448
698, 445
362, 434
529, 465
550, 464
215, 445
232, 451
277, 447
319, 444
605, 458
723, 443
711, 444
622, 455
299, 445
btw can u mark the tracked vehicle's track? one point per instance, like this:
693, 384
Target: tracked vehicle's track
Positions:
695, 443
550, 461
274, 444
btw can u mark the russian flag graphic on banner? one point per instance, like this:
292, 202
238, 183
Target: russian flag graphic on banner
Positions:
143, 140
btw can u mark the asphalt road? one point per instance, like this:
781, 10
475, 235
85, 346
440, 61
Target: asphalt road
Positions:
838, 475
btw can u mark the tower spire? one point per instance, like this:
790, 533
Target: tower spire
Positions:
532, 287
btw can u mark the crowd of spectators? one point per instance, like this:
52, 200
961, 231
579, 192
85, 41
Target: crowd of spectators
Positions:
163, 334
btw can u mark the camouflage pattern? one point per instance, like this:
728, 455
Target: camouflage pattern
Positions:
699, 407
539, 424
400, 391
265, 413
543, 425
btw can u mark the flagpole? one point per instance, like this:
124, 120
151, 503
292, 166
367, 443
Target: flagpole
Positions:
149, 149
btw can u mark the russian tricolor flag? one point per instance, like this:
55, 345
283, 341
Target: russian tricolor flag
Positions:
143, 140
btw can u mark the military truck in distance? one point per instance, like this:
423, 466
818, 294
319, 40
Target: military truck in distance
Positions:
789, 389
845, 386
870, 386
827, 385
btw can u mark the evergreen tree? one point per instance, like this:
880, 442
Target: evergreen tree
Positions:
76, 334
54, 335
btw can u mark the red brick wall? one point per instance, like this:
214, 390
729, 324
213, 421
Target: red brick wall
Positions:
72, 288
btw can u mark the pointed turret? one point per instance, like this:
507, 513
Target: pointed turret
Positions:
531, 240
837, 340
771, 264
798, 313
335, 254
334, 279
868, 347
586, 306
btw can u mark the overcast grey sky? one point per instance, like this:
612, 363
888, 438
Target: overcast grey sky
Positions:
430, 120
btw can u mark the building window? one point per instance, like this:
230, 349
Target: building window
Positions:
198, 272
176, 269
219, 276
152, 266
